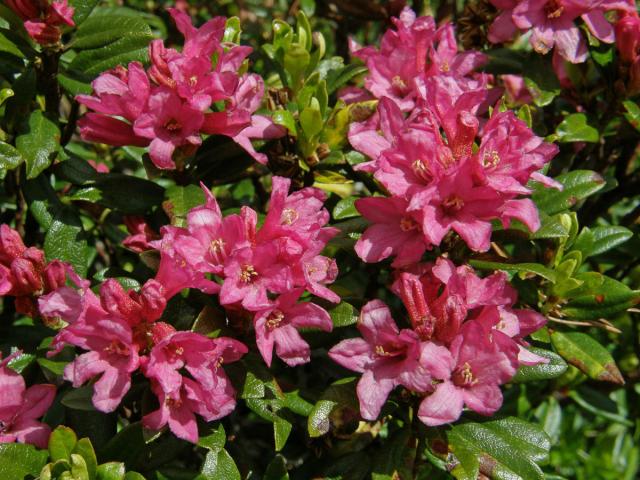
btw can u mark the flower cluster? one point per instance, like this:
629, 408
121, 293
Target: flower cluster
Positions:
263, 271
43, 19
439, 178
180, 97
551, 23
465, 340
24, 272
21, 407
121, 334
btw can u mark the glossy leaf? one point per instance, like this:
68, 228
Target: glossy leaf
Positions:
578, 185
18, 461
509, 448
38, 143
585, 353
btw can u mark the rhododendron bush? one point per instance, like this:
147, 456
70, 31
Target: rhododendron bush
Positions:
319, 239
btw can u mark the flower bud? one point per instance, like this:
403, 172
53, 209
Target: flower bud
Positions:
11, 245
55, 275
152, 300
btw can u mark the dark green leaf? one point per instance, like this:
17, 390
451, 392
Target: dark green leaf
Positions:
38, 144
65, 240
585, 353
543, 87
116, 192
79, 399
277, 469
543, 371
509, 448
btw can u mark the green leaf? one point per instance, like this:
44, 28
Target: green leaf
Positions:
39, 143
111, 471
180, 200
601, 239
345, 208
84, 449
219, 465
107, 40
633, 113
311, 121
133, 476
343, 315
82, 9
79, 469
296, 60
285, 118
578, 185
8, 46
543, 371
62, 443
65, 240
552, 227
277, 469
395, 459
339, 396
509, 448
101, 30
115, 191
575, 128
599, 296
21, 361
536, 268
215, 440
585, 353
543, 87
19, 461
79, 399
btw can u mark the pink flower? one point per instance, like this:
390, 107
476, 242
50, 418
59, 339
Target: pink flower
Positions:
510, 154
387, 357
455, 203
122, 92
43, 19
477, 367
401, 58
212, 237
199, 42
174, 273
170, 123
111, 355
20, 408
395, 231
251, 273
278, 326
207, 390
445, 59
552, 23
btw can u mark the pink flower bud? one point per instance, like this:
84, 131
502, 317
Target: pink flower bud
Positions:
55, 275
11, 245
116, 300
152, 300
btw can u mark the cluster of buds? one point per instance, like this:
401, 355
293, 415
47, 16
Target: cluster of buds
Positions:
43, 19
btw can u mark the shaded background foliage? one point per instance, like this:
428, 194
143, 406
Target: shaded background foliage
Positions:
77, 214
